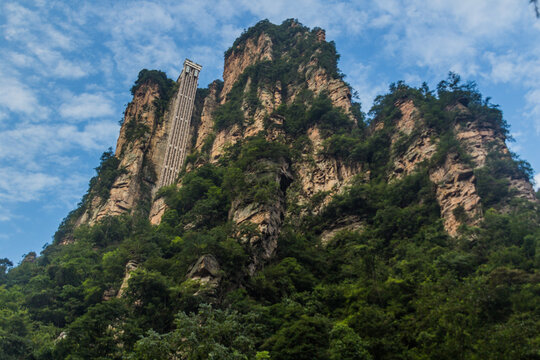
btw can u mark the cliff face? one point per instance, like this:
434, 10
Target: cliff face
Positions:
279, 84
253, 51
454, 180
454, 176
140, 149
313, 172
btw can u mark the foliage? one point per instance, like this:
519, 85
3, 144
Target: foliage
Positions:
493, 180
298, 118
285, 38
208, 334
99, 186
399, 288
228, 114
134, 130
107, 172
155, 76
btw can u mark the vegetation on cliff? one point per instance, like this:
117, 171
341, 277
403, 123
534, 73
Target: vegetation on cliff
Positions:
99, 187
294, 44
397, 286
166, 89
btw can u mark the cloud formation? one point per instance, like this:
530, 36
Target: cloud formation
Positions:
21, 186
86, 106
17, 97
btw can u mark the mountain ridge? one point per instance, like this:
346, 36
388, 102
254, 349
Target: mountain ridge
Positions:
299, 223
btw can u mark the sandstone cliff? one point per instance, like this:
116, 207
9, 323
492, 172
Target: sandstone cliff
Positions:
313, 171
140, 149
275, 79
453, 175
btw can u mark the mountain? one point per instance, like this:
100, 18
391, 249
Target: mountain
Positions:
298, 227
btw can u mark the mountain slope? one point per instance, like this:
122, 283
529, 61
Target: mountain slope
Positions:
299, 228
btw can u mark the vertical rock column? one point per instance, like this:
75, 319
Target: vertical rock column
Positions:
179, 131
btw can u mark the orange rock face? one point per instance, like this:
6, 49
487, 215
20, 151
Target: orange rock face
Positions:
454, 179
141, 158
255, 50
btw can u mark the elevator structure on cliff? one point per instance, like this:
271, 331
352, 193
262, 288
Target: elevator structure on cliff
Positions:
181, 117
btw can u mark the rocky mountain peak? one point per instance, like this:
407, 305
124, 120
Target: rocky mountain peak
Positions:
281, 85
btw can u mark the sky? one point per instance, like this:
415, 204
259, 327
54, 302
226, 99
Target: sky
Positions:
66, 68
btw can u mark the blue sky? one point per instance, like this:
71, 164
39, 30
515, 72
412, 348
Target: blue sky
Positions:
66, 68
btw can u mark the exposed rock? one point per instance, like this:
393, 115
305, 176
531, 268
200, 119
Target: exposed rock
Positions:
224, 138
29, 258
157, 210
455, 181
480, 138
321, 35
349, 223
456, 188
109, 294
318, 80
254, 124
320, 173
140, 157
523, 189
211, 102
130, 267
61, 336
206, 270
422, 149
255, 50
269, 102
267, 217
409, 117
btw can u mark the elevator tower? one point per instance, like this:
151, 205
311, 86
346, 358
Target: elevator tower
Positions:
179, 128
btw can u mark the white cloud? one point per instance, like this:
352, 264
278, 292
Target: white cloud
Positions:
533, 107
18, 97
23, 186
521, 70
442, 35
21, 60
33, 146
537, 182
26, 26
55, 63
511, 67
5, 215
43, 45
337, 17
87, 105
94, 136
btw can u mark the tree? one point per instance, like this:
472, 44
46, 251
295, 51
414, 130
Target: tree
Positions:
209, 334
536, 8
345, 344
5, 264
